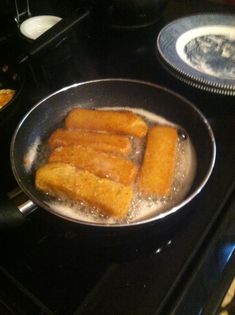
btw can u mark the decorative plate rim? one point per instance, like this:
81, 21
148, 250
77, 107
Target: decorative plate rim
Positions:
167, 49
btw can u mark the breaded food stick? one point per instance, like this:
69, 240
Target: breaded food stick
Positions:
105, 142
123, 122
64, 180
101, 164
157, 171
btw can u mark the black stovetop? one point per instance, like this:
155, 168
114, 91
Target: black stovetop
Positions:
49, 266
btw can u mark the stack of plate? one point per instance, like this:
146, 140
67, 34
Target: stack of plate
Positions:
200, 51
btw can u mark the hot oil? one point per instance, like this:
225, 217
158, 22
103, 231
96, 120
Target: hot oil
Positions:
142, 207
145, 207
36, 156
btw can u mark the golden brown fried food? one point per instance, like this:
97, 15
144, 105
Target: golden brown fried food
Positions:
105, 142
101, 164
123, 122
5, 96
158, 167
65, 180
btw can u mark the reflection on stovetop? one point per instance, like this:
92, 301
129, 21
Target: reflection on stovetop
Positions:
49, 266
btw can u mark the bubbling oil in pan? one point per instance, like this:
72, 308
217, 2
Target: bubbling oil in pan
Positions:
142, 207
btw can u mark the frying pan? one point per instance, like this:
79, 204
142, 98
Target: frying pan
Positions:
48, 115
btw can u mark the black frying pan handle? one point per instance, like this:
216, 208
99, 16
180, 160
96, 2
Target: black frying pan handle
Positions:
10, 216
54, 33
12, 212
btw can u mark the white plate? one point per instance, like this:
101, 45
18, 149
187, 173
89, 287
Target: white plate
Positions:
35, 26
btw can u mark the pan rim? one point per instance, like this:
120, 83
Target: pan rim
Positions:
159, 216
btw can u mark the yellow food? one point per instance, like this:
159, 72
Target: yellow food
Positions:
100, 141
65, 180
5, 96
89, 160
123, 122
101, 164
157, 171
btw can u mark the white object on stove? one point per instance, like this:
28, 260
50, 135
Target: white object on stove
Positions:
37, 25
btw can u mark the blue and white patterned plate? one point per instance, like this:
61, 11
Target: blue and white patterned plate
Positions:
200, 50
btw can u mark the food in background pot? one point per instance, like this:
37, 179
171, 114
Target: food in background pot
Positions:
5, 96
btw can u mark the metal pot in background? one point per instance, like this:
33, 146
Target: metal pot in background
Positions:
130, 13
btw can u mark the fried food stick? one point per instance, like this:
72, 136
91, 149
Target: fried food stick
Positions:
157, 171
64, 180
99, 163
116, 144
123, 122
